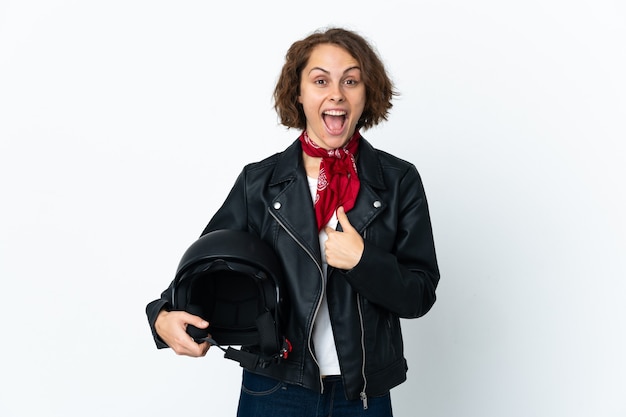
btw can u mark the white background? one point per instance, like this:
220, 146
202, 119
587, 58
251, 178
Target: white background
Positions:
123, 125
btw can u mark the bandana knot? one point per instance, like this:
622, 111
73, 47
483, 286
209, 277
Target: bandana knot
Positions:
337, 183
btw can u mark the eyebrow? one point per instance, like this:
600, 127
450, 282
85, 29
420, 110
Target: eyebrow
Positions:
328, 72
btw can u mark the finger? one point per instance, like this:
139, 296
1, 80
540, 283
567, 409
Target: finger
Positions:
200, 323
196, 321
205, 348
342, 217
196, 346
196, 350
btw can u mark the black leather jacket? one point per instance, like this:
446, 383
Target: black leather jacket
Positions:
395, 278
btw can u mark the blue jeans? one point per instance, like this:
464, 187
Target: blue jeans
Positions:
266, 397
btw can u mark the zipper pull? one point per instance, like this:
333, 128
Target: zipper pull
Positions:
364, 399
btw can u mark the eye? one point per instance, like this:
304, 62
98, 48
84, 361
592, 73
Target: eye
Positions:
319, 81
351, 82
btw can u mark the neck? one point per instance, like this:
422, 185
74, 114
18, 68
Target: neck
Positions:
311, 165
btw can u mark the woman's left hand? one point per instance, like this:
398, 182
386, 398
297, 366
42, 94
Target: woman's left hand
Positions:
343, 249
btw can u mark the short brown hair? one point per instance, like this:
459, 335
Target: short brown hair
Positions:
379, 89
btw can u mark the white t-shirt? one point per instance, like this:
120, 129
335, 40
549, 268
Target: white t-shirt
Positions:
323, 338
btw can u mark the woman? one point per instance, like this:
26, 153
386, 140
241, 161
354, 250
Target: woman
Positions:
351, 226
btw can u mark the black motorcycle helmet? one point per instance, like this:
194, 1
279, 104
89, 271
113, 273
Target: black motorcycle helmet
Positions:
233, 280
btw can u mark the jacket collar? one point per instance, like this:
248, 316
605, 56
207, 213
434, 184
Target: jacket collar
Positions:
368, 165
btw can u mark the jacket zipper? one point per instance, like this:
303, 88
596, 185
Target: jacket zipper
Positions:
319, 302
363, 395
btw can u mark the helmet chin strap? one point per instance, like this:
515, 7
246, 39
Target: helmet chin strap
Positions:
246, 359
250, 360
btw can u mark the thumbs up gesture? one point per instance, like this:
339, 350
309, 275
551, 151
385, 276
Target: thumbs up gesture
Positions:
343, 249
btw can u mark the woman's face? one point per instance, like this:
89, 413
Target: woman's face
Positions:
332, 95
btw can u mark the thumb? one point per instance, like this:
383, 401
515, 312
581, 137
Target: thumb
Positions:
342, 217
197, 321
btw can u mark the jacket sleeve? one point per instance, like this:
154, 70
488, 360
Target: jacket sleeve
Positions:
229, 216
404, 280
233, 214
152, 311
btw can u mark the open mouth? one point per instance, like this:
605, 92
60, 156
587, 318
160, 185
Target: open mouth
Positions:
334, 120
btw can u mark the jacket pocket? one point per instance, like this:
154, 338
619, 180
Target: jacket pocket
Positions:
383, 337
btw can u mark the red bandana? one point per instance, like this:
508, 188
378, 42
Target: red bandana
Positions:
338, 183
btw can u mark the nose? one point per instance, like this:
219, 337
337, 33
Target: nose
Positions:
336, 95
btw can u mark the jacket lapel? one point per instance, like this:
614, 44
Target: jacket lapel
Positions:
297, 215
292, 206
368, 204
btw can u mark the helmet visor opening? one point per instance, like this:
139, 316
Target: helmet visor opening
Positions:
229, 300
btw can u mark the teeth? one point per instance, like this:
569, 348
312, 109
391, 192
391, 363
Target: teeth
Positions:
335, 113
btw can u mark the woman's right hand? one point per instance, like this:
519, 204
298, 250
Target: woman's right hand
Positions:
171, 326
